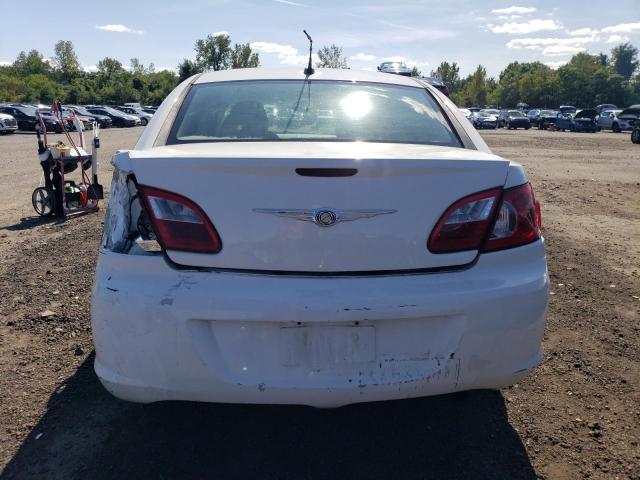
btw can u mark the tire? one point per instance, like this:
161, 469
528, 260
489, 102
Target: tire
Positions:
527, 128
144, 122
635, 135
43, 201
615, 128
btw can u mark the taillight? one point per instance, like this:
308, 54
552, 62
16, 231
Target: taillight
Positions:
465, 224
488, 222
179, 223
518, 220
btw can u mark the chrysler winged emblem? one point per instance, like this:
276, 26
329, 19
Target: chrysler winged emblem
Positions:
323, 217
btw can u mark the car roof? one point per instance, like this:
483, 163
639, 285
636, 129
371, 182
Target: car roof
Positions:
338, 74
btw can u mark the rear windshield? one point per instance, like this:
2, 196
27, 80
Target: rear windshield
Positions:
310, 111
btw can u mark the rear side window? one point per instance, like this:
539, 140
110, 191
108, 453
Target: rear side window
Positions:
310, 111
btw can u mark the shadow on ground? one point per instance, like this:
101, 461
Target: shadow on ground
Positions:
26, 223
86, 433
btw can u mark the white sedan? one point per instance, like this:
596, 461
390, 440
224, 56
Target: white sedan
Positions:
324, 240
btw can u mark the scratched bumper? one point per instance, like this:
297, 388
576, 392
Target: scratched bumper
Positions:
161, 334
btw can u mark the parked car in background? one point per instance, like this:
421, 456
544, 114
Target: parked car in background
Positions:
568, 109
608, 119
103, 121
434, 82
136, 112
67, 116
119, 119
635, 134
546, 118
387, 255
491, 111
606, 106
533, 116
150, 111
484, 119
8, 124
513, 119
398, 68
564, 121
585, 120
628, 118
25, 116
466, 112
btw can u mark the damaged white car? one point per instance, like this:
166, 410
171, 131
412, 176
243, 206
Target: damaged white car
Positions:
322, 240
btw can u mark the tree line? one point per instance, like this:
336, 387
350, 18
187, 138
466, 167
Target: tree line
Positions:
586, 80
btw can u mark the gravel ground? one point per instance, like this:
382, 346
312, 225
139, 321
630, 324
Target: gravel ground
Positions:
577, 416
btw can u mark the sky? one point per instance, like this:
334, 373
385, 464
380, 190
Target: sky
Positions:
420, 32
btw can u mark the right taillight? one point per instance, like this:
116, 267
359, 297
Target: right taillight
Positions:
179, 223
488, 221
518, 220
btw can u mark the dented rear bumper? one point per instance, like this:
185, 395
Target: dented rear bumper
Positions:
163, 334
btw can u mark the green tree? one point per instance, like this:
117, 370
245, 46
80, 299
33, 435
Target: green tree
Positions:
624, 60
187, 68
415, 72
243, 57
214, 52
331, 57
448, 73
108, 67
65, 60
475, 89
31, 63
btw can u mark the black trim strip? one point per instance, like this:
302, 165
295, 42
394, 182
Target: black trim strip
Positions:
293, 273
326, 172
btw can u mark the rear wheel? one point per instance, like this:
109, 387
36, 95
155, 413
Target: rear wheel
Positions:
616, 128
635, 135
43, 201
144, 122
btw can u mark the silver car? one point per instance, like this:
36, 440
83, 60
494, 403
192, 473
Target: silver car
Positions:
8, 124
609, 120
137, 112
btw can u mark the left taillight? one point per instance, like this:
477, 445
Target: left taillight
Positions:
179, 223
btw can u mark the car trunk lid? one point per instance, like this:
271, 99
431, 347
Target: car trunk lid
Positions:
261, 198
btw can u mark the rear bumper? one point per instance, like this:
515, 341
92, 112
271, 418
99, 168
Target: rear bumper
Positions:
162, 334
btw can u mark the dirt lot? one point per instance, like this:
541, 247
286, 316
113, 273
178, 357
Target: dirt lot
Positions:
577, 416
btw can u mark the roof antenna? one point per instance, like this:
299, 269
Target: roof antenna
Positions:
309, 70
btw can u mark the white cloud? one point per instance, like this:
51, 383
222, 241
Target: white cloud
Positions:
554, 46
5, 64
556, 65
118, 27
287, 54
583, 31
364, 57
509, 17
562, 50
513, 10
295, 4
533, 25
623, 28
221, 32
617, 39
90, 68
